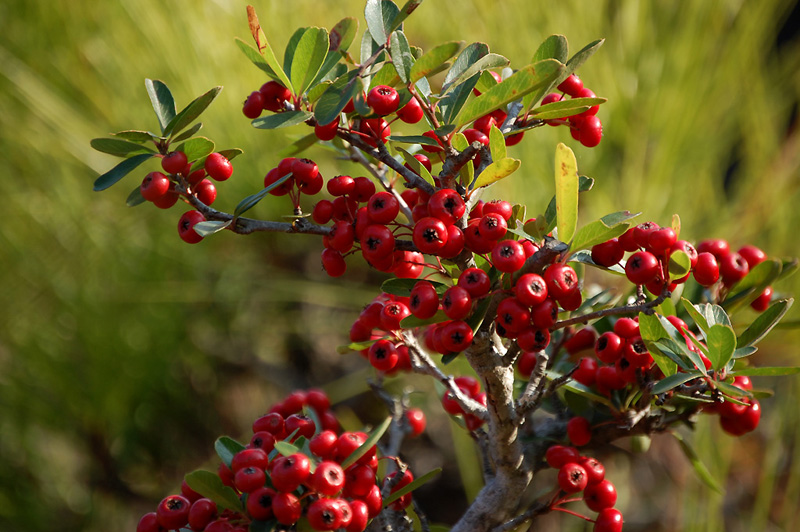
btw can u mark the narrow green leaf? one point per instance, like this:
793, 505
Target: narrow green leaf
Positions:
343, 34
764, 323
298, 146
226, 449
566, 192
135, 198
416, 166
188, 133
411, 486
732, 392
257, 59
209, 485
286, 449
333, 101
721, 343
580, 389
291, 46
413, 139
404, 12
743, 352
497, 143
401, 56
162, 100
136, 136
565, 108
696, 314
608, 227
210, 227
673, 381
251, 201
412, 322
652, 330
485, 62
433, 59
676, 224
756, 280
402, 287
554, 47
788, 267
580, 58
308, 58
766, 371
120, 171
272, 61
279, 120
119, 147
468, 56
680, 354
355, 346
371, 441
497, 171
525, 80
699, 468
379, 15
584, 256
454, 100
387, 75
191, 112
317, 90
231, 153
714, 314
197, 148
679, 264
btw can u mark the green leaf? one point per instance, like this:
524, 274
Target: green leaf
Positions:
355, 346
743, 352
402, 287
416, 166
135, 198
468, 57
411, 486
454, 100
404, 12
387, 75
343, 34
251, 201
733, 392
699, 468
209, 485
413, 139
315, 92
497, 171
525, 80
188, 133
766, 371
412, 322
197, 148
580, 389
226, 449
608, 227
162, 100
231, 153
210, 227
298, 146
371, 441
565, 108
120, 171
191, 112
652, 330
584, 256
696, 314
764, 323
485, 82
291, 46
554, 47
668, 383
401, 56
756, 280
136, 136
566, 192
258, 60
433, 59
721, 343
308, 58
679, 264
379, 15
676, 224
119, 147
680, 354
483, 63
279, 120
497, 143
272, 61
333, 101
286, 449
580, 58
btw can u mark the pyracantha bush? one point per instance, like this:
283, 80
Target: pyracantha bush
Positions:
465, 278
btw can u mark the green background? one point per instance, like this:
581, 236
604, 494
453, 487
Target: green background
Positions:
124, 351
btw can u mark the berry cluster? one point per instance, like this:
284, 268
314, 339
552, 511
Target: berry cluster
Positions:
296, 466
585, 127
577, 473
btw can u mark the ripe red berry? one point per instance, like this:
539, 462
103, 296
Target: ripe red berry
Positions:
259, 504
174, 162
752, 255
416, 421
411, 113
456, 303
531, 289
430, 235
205, 192
377, 242
561, 280
383, 100
512, 315
383, 355
374, 128
579, 431
533, 340
392, 314
149, 523
559, 455
761, 303
328, 479
173, 512
249, 479
155, 185
595, 472
733, 267
572, 478
201, 513
571, 85
328, 131
508, 256
286, 508
475, 281
447, 205
608, 347
274, 95
456, 336
706, 272
432, 149
288, 472
493, 226
545, 314
717, 247
383, 207
608, 520
600, 496
586, 372
186, 226
608, 253
642, 267
502, 207
589, 130
256, 458
360, 512
661, 240
218, 167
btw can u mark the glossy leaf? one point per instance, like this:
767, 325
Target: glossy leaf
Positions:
409, 7
525, 80
679, 264
733, 393
279, 120
197, 148
387, 75
285, 448
565, 108
291, 46
257, 59
162, 100
135, 198
413, 139
584, 256
136, 136
454, 100
743, 352
580, 58
699, 468
412, 322
764, 323
566, 192
673, 381
251, 201
554, 47
486, 62
308, 57
298, 146
372, 440
191, 112
355, 346
411, 486
210, 227
497, 143
680, 354
119, 147
721, 341
433, 59
496, 171
226, 449
608, 227
343, 34
402, 287
188, 133
121, 170
379, 15
766, 371
231, 153
334, 100
748, 289
696, 314
209, 485
265, 49
468, 57
652, 330
401, 56
580, 389
416, 166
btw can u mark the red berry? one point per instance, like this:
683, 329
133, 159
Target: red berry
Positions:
608, 520
571, 85
579, 431
557, 456
661, 239
383, 355
202, 512
447, 205
493, 226
249, 479
561, 280
392, 314
513, 316
456, 303
149, 523
274, 95
590, 131
572, 478
430, 235
259, 504
173, 512
218, 167
416, 421
533, 340
626, 327
174, 163
286, 508
323, 444
328, 479
545, 314
374, 128
205, 192
432, 149
257, 458
595, 472
272, 423
288, 472
761, 303
262, 440
155, 185
752, 255
456, 336
383, 207
186, 226
608, 253
508, 256
377, 241
717, 247
502, 207
608, 347
531, 289
253, 105
586, 372
327, 131
600, 496
475, 281
642, 267
411, 113
706, 272
686, 247
360, 517
733, 267
383, 99
455, 243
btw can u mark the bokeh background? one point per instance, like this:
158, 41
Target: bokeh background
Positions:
124, 352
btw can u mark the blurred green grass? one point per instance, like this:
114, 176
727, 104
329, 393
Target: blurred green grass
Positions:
124, 352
